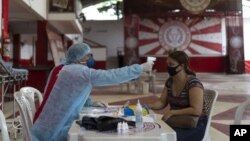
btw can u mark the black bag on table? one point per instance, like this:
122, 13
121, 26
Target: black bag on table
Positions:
102, 123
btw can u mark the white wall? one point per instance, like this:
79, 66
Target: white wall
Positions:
27, 46
39, 6
98, 54
107, 33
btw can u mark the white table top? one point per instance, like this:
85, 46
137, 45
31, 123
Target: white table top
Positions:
153, 131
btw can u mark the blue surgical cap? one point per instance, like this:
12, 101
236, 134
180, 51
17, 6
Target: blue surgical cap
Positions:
76, 52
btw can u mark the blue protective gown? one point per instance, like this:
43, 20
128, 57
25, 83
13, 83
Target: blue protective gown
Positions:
70, 93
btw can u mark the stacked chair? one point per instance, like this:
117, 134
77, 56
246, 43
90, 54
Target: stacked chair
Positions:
11, 78
26, 102
3, 127
26, 114
31, 94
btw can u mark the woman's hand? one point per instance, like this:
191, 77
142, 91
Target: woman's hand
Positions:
167, 115
99, 104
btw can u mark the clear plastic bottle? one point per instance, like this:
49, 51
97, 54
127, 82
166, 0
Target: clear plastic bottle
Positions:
138, 117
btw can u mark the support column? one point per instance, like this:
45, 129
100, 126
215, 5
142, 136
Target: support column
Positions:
41, 44
1, 12
5, 17
5, 48
16, 49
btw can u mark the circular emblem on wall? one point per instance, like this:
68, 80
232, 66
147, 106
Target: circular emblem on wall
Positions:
236, 42
174, 35
195, 6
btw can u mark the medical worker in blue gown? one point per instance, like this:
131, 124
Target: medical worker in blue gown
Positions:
72, 89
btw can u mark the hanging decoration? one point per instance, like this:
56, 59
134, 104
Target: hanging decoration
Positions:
235, 44
195, 6
131, 39
236, 40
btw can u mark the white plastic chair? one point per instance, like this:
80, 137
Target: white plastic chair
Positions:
26, 114
240, 111
31, 93
210, 96
3, 127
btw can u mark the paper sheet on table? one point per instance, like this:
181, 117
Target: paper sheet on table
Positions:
101, 111
147, 118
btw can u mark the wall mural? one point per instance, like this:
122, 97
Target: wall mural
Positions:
196, 36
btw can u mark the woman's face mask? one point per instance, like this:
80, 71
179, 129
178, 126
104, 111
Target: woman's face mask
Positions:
90, 63
172, 70
84, 60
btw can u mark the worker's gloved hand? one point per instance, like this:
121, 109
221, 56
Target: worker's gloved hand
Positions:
147, 67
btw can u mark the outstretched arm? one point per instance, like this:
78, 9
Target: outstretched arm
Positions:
115, 76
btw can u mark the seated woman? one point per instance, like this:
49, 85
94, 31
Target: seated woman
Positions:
184, 93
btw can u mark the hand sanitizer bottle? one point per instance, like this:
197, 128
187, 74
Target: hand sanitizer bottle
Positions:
138, 117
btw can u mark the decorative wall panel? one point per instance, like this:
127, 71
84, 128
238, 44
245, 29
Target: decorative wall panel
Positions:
196, 36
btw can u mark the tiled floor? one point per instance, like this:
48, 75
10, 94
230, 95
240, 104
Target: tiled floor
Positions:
233, 90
